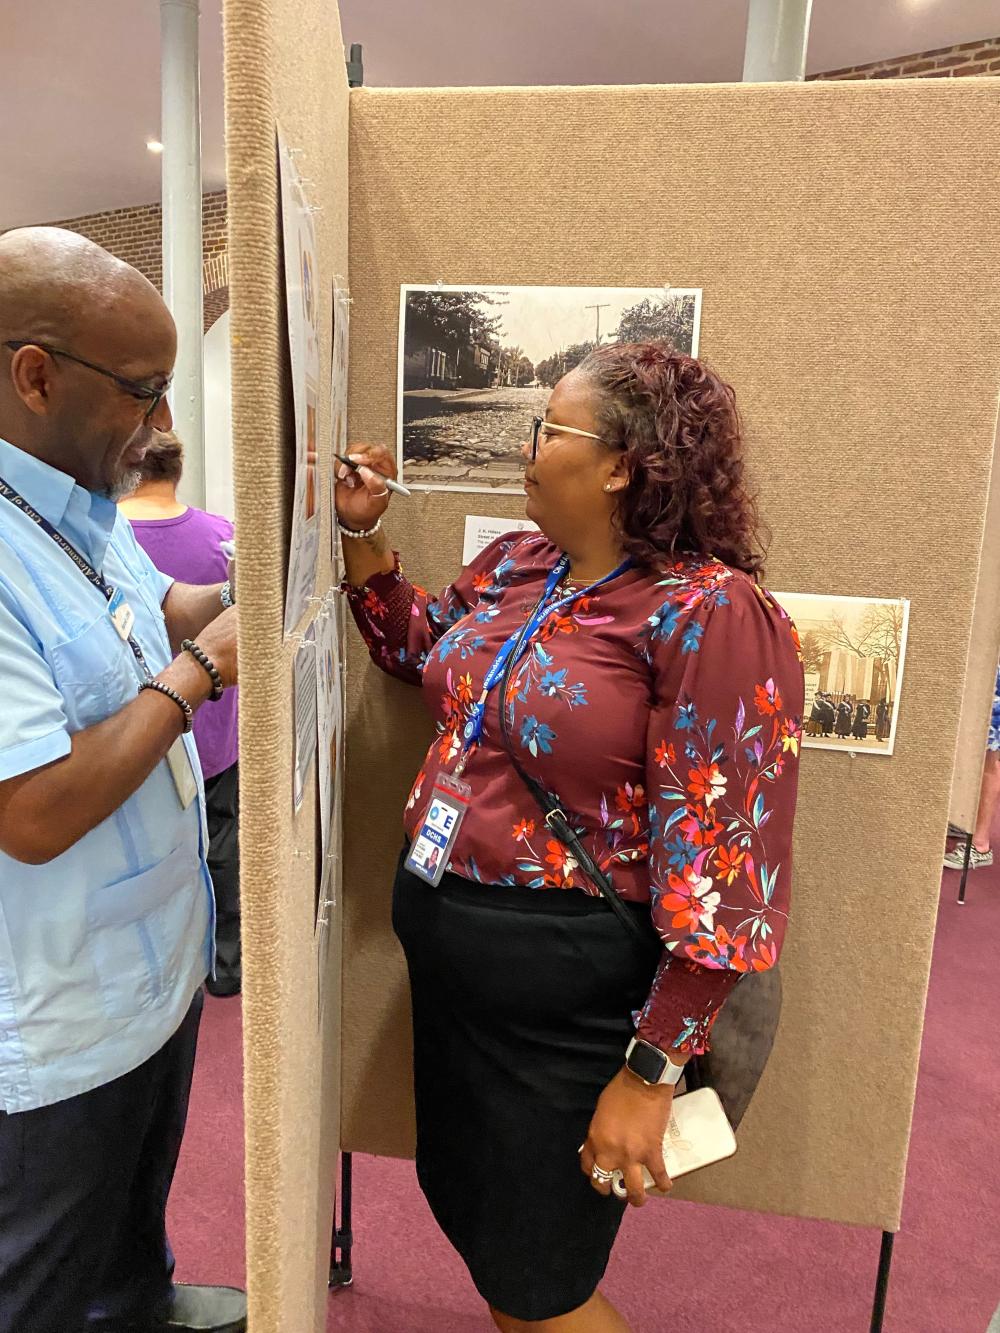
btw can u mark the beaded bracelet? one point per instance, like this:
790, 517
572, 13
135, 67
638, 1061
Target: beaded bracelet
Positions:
352, 532
178, 699
203, 660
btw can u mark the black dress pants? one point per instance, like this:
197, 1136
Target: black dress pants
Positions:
83, 1197
222, 807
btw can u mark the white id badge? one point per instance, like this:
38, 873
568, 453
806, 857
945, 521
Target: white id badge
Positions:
432, 847
122, 615
182, 773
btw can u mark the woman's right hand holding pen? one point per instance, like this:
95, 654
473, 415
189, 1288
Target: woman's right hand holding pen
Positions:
362, 497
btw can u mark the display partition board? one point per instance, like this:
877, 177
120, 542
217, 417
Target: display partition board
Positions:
981, 674
845, 237
284, 64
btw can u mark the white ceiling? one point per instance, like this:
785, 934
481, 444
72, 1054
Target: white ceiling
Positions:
80, 78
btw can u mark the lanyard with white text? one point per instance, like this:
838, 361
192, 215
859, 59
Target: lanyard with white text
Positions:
519, 642
83, 565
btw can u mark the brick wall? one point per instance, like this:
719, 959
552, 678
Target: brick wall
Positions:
135, 235
949, 62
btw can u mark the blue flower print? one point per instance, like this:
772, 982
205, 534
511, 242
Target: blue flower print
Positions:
536, 736
553, 682
687, 717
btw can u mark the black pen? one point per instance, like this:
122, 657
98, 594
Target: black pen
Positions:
393, 486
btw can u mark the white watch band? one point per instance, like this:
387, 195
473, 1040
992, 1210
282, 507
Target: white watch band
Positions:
670, 1075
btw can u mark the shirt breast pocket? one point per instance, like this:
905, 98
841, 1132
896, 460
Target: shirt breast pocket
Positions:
95, 672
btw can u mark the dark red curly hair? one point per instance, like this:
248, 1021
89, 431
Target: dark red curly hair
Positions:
687, 485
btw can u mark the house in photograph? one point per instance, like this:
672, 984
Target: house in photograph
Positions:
444, 350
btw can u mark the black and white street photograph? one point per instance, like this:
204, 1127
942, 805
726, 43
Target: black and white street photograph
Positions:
477, 363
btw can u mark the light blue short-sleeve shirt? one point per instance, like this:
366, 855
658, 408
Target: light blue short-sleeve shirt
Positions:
103, 948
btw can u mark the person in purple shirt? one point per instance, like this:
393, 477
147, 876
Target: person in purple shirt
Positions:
186, 543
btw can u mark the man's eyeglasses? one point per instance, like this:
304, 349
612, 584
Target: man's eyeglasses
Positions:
131, 387
541, 427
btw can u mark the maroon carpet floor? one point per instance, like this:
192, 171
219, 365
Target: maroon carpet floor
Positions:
682, 1268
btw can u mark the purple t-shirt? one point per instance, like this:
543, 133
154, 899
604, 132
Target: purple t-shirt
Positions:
187, 548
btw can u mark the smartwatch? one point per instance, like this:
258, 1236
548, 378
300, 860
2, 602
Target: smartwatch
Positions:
651, 1065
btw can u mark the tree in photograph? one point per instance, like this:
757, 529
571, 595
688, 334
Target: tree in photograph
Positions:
455, 317
813, 651
877, 633
550, 371
514, 368
668, 317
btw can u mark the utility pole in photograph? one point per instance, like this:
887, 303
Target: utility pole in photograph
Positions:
597, 309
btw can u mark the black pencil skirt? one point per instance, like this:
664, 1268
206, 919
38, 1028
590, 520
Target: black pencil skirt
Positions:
522, 1010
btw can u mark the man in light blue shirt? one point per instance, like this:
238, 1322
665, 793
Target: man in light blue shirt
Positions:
106, 912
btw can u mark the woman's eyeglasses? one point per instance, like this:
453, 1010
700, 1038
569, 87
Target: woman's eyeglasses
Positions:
144, 392
541, 427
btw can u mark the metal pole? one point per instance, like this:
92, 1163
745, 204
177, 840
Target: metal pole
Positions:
342, 1243
777, 38
180, 133
882, 1281
965, 870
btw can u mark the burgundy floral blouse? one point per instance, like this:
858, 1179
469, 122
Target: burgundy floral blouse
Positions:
664, 711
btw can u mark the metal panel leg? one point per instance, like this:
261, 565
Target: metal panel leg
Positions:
965, 871
882, 1281
342, 1243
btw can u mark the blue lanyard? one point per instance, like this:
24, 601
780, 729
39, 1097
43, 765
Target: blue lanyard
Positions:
520, 641
84, 566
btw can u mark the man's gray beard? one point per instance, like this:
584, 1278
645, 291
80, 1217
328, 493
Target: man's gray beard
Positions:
125, 485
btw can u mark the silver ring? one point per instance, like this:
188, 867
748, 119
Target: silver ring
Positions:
600, 1175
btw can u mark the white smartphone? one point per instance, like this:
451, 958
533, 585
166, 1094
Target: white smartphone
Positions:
698, 1135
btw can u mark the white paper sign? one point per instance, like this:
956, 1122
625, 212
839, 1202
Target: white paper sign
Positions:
302, 299
304, 687
480, 531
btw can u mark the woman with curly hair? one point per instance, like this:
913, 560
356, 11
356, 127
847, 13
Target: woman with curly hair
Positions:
652, 691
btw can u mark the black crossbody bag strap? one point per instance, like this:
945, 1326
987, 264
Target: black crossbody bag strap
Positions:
558, 824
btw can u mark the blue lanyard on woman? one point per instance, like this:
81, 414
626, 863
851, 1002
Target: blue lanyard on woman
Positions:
519, 642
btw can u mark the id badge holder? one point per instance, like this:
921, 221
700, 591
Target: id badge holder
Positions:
122, 615
432, 847
182, 772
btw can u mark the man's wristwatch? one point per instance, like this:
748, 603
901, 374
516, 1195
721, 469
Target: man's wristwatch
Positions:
651, 1065
226, 595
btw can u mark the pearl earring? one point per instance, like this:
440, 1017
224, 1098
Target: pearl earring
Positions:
608, 486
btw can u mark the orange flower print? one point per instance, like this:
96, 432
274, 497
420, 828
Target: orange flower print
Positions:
767, 699
720, 951
465, 689
374, 605
707, 783
766, 958
558, 624
630, 800
449, 745
561, 861
692, 899
665, 754
523, 830
481, 582
700, 826
728, 863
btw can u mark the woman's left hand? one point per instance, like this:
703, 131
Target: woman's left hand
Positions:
626, 1134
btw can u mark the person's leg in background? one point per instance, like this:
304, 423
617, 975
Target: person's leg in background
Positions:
989, 796
222, 805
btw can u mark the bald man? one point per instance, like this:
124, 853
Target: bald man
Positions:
106, 912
